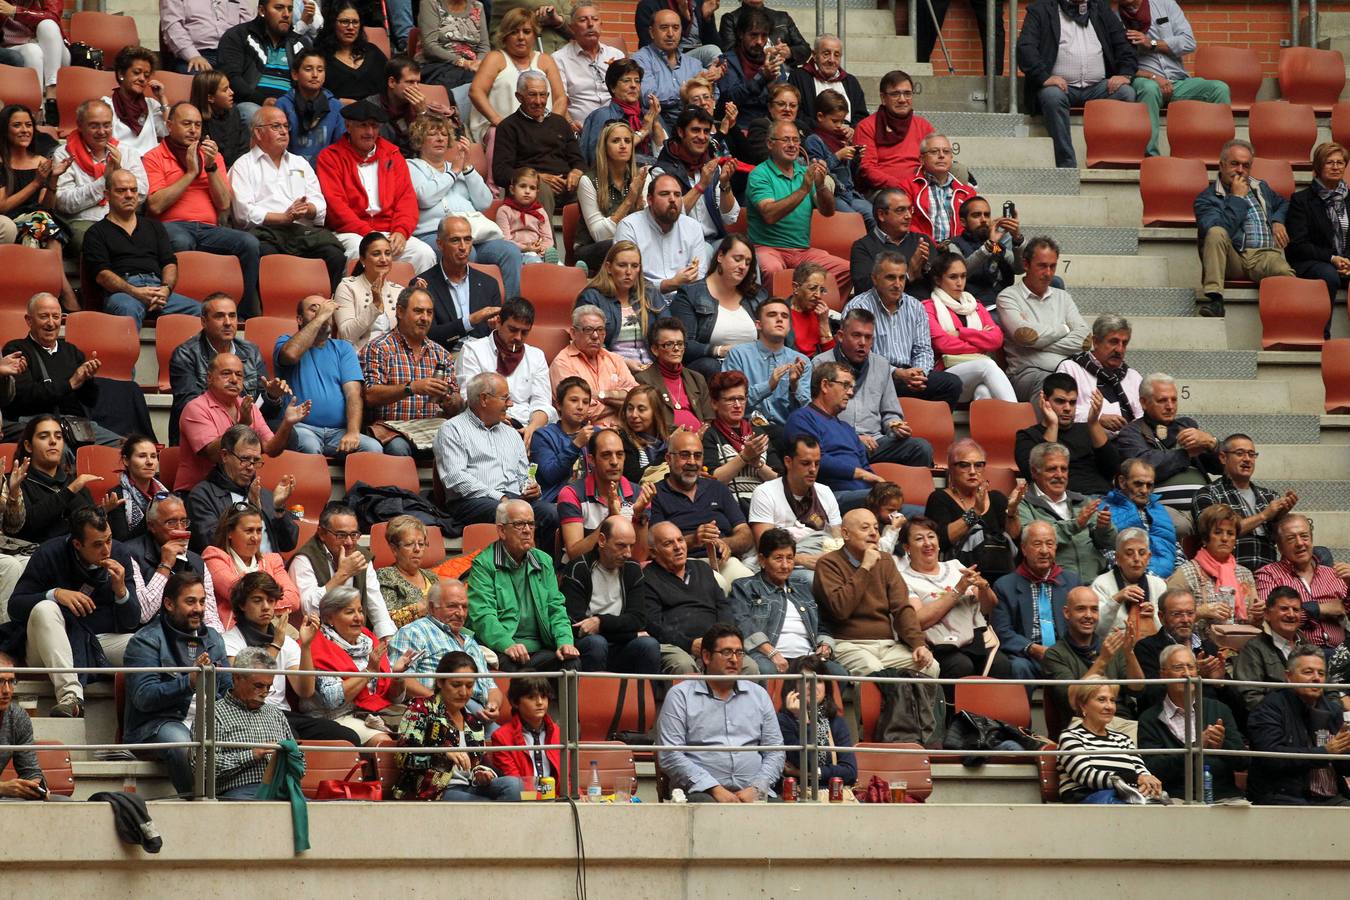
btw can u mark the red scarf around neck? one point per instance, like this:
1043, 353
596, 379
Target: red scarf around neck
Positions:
1048, 577
834, 142
84, 158
535, 209
810, 69
507, 359
892, 129
130, 110
179, 152
632, 114
736, 437
1139, 20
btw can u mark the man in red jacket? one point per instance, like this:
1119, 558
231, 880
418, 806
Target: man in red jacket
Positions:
937, 194
366, 184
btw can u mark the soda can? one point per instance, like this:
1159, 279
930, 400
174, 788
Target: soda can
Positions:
548, 788
836, 790
297, 512
789, 790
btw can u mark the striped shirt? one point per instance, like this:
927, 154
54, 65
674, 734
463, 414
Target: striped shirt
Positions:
477, 461
389, 360
1324, 585
238, 767
902, 337
1083, 775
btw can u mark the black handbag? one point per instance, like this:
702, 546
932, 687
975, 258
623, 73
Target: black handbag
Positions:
81, 54
77, 430
970, 731
994, 557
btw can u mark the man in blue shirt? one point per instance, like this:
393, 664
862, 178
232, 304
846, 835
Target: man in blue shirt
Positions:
665, 69
773, 369
843, 458
324, 370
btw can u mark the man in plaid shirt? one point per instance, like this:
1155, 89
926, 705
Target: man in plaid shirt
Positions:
244, 715
408, 376
1258, 506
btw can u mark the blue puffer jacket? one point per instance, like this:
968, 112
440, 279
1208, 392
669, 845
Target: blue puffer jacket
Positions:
1162, 534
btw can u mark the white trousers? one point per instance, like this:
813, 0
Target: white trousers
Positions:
46, 53
982, 379
415, 253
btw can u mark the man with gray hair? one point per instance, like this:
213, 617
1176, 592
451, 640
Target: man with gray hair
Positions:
162, 552
1082, 525
442, 631
603, 370
582, 62
893, 213
1182, 455
244, 716
81, 191
537, 138
1102, 369
1240, 220
481, 460
936, 193
824, 72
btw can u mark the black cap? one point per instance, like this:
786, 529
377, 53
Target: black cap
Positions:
364, 111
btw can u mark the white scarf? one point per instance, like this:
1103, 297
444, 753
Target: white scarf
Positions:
967, 306
245, 567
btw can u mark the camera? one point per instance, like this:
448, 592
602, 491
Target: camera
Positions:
1009, 209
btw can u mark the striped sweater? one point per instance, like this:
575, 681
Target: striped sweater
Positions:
1083, 775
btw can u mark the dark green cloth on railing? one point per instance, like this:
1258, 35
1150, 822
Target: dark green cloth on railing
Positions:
285, 785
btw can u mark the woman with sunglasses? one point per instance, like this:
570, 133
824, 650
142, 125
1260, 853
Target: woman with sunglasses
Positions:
977, 525
234, 552
138, 487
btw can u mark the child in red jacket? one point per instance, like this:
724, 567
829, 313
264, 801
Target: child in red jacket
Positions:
530, 724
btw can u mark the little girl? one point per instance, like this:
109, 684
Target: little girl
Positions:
523, 221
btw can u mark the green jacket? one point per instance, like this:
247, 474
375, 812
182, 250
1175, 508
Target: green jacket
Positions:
1080, 549
494, 609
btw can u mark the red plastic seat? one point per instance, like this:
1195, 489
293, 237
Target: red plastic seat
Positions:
201, 274
915, 481
177, 86
553, 290
263, 331
615, 766
615, 39
1277, 173
994, 699
313, 484
115, 339
1340, 123
76, 84
432, 557
377, 468
932, 421
322, 765
598, 700
1311, 76
1283, 130
913, 768
1336, 375
1116, 133
477, 536
1198, 130
19, 84
1001, 479
550, 339
168, 464
414, 43
106, 32
1293, 313
1237, 67
380, 38
994, 425
835, 234
437, 96
780, 285
28, 271
55, 765
105, 462
1169, 187
283, 281
171, 329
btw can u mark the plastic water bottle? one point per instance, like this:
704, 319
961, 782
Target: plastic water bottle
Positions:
593, 790
1209, 785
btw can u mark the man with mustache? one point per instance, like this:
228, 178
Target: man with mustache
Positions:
671, 243
1103, 369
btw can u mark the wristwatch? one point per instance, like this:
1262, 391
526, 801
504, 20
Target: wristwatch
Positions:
970, 518
407, 389
1153, 43
211, 167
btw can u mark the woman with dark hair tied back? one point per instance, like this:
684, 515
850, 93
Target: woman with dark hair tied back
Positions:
214, 99
718, 311
138, 487
623, 78
355, 65
832, 732
367, 297
736, 451
976, 525
234, 553
139, 121
42, 490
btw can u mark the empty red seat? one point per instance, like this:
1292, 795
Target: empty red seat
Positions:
1336, 374
994, 425
106, 32
115, 339
915, 481
1116, 133
19, 84
177, 86
1277, 173
76, 84
313, 484
1198, 130
201, 274
377, 468
994, 699
1237, 67
1340, 123
553, 290
1311, 76
1283, 130
932, 421
1169, 187
1294, 312
263, 331
283, 281
835, 234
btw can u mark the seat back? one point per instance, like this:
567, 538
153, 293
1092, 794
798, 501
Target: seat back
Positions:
29, 271
177, 86
106, 32
76, 84
414, 43
1198, 130
598, 700
909, 767
55, 765
993, 699
313, 484
835, 234
171, 329
380, 38
1293, 313
263, 331
201, 274
915, 481
168, 464
1001, 479
994, 425
115, 339
1277, 173
1048, 769
614, 765
1116, 133
1168, 188
553, 290
1311, 76
616, 39
932, 421
1283, 130
477, 536
488, 269
1340, 123
432, 557
1237, 67
550, 339
105, 462
19, 84
780, 285
7, 452
283, 281
321, 765
1336, 374
379, 469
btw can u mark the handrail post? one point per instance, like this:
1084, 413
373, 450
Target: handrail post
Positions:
568, 732
1012, 56
803, 723
820, 18
199, 721
1196, 714
1190, 742
1312, 23
1293, 23
990, 54
209, 731
842, 23
810, 744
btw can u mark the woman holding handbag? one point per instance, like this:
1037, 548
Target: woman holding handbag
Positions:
441, 721
963, 334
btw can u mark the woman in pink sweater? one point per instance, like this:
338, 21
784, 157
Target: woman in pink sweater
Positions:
964, 334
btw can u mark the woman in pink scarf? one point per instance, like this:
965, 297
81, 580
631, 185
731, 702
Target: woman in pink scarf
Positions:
1215, 568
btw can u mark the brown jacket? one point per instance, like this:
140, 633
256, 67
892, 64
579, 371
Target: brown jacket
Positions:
694, 386
860, 605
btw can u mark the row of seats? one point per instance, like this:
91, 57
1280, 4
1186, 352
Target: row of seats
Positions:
1168, 186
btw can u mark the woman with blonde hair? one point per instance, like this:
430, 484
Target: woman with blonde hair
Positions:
608, 193
1109, 771
493, 91
631, 304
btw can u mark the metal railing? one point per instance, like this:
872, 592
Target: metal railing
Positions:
571, 745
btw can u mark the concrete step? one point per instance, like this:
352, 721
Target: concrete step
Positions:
1103, 271
1232, 396
1132, 301
979, 152
1280, 463
971, 124
1003, 180
100, 713
1081, 210
1217, 364
1159, 333
876, 68
66, 731
1086, 239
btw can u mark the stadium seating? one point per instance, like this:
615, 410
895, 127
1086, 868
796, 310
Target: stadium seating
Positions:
283, 281
915, 482
1336, 375
177, 86
912, 768
614, 765
313, 485
553, 290
105, 462
488, 269
550, 339
1277, 173
57, 772
571, 219
835, 234
168, 464
1198, 130
379, 469
478, 535
1340, 123
1283, 130
380, 38
321, 765
932, 421
201, 274
994, 425
1169, 187
19, 84
263, 331
1293, 313
171, 330
7, 455
104, 31
115, 340
28, 271
993, 699
1116, 133
1001, 479
1237, 67
598, 700
1311, 76
76, 84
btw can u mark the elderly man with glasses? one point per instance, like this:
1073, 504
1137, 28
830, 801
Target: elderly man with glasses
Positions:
162, 552
442, 631
604, 371
235, 480
331, 559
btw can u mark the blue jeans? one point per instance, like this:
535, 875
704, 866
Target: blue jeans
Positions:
178, 759
123, 304
181, 66
502, 789
401, 20
639, 656
226, 242
244, 792
499, 252
1106, 796
1055, 112
316, 439
247, 110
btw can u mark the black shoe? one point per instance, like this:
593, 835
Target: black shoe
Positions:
1211, 307
50, 112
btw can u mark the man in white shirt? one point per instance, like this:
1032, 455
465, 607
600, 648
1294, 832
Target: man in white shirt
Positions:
331, 559
1103, 369
505, 352
277, 197
671, 242
81, 192
800, 505
582, 64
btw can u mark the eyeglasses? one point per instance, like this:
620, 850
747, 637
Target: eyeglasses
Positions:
414, 545
687, 454
246, 461
590, 330
670, 345
343, 535
846, 385
789, 142
737, 399
1243, 454
938, 151
969, 464
900, 95
521, 524
184, 522
728, 653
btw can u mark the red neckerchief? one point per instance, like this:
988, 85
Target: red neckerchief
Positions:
130, 111
677, 150
750, 68
507, 360
1047, 578
833, 142
1139, 20
179, 152
535, 209
892, 129
79, 152
735, 438
810, 69
632, 114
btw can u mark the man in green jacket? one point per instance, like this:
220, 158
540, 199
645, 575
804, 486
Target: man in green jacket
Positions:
516, 607
1083, 529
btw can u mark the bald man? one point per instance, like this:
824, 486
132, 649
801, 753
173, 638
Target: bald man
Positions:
210, 415
1029, 615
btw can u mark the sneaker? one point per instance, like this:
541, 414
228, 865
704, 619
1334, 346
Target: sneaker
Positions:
67, 709
584, 268
551, 256
1211, 307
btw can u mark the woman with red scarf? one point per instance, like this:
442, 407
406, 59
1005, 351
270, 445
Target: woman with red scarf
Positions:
683, 390
139, 121
623, 79
890, 137
736, 451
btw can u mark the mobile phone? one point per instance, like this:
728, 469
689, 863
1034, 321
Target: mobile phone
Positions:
1009, 209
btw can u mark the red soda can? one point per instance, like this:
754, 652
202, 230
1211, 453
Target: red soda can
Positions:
836, 790
789, 790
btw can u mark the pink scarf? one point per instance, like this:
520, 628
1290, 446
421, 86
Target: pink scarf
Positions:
1225, 576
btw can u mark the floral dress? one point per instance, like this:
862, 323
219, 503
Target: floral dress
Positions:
425, 776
